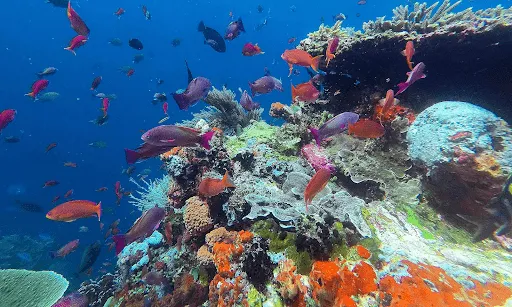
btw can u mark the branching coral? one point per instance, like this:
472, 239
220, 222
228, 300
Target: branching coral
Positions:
225, 112
153, 194
317, 40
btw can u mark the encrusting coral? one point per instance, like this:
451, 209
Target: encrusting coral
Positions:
197, 216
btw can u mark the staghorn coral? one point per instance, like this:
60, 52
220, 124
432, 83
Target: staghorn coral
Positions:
197, 216
151, 195
316, 42
225, 112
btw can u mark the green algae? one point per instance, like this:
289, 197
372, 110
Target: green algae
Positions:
283, 145
302, 260
255, 298
412, 218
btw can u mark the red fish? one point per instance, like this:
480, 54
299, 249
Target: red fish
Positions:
50, 147
305, 92
332, 45
6, 116
384, 111
70, 164
96, 82
130, 72
212, 186
249, 49
106, 104
165, 107
76, 42
55, 199
118, 191
120, 11
102, 189
76, 22
460, 136
37, 87
367, 129
50, 183
65, 250
68, 194
301, 58
291, 40
73, 210
408, 53
316, 185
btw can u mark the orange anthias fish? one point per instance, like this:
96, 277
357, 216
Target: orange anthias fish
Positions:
305, 92
66, 249
130, 72
119, 192
50, 183
50, 147
212, 186
382, 111
76, 22
73, 210
106, 104
249, 49
68, 193
70, 164
301, 58
367, 129
55, 199
316, 185
102, 189
408, 53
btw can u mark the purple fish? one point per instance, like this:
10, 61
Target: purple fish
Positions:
196, 90
170, 135
143, 152
142, 228
265, 85
333, 126
247, 103
234, 29
74, 299
414, 75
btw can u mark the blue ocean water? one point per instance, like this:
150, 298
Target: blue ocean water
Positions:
33, 36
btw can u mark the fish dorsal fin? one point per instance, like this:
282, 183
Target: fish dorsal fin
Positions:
188, 129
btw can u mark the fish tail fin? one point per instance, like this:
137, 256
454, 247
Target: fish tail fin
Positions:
70, 50
409, 63
241, 24
226, 181
120, 241
181, 100
294, 93
98, 211
205, 139
131, 156
316, 135
402, 52
201, 27
402, 87
315, 62
329, 57
31, 94
251, 87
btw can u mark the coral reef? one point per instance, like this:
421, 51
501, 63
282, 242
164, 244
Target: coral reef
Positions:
100, 290
151, 195
197, 216
31, 288
225, 112
466, 152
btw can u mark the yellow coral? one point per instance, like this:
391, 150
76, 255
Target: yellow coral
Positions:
197, 216
204, 257
487, 163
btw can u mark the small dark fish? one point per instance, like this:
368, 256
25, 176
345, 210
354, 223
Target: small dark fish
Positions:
29, 207
361, 2
138, 58
50, 183
339, 17
291, 40
100, 120
11, 139
135, 44
50, 147
212, 38
261, 24
260, 8
176, 42
196, 90
159, 97
146, 13
59, 3
116, 42
160, 82
96, 82
234, 29
89, 256
142, 228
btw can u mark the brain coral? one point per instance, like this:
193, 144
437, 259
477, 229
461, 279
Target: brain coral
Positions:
197, 216
22, 288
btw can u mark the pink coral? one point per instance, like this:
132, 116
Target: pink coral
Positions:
316, 157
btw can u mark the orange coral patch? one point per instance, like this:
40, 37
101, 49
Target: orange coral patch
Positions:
363, 252
245, 236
